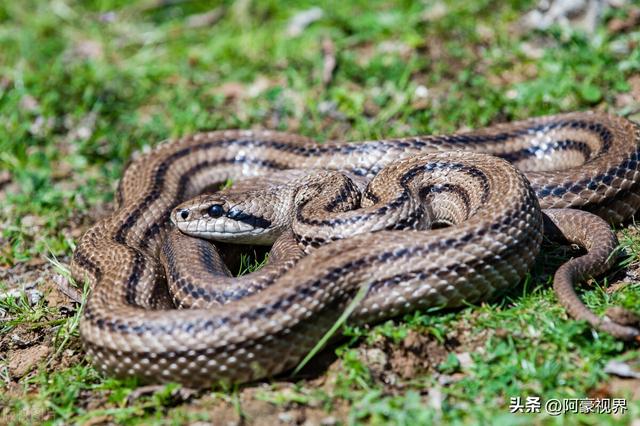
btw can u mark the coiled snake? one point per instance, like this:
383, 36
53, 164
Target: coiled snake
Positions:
204, 326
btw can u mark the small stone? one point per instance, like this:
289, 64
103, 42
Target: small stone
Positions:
421, 92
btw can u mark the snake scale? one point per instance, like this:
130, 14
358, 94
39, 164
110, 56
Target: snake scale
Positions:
204, 327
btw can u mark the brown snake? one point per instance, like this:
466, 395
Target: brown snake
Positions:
256, 327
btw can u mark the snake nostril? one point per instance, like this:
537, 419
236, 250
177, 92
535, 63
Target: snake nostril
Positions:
184, 213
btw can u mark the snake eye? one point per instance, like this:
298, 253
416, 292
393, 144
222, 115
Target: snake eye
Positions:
215, 211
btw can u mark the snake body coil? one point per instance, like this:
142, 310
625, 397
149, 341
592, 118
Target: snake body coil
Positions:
259, 328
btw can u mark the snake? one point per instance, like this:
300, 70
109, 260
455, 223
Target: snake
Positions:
435, 221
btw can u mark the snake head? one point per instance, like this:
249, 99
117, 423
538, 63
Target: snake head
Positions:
226, 216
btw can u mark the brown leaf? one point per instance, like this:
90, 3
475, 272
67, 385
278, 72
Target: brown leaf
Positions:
620, 25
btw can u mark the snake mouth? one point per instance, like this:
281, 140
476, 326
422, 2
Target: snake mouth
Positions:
234, 227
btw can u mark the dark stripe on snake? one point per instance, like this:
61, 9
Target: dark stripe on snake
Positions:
87, 264
628, 166
538, 151
249, 219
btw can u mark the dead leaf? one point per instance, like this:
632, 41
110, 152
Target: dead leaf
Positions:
621, 369
620, 25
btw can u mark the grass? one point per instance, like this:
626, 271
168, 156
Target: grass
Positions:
83, 85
